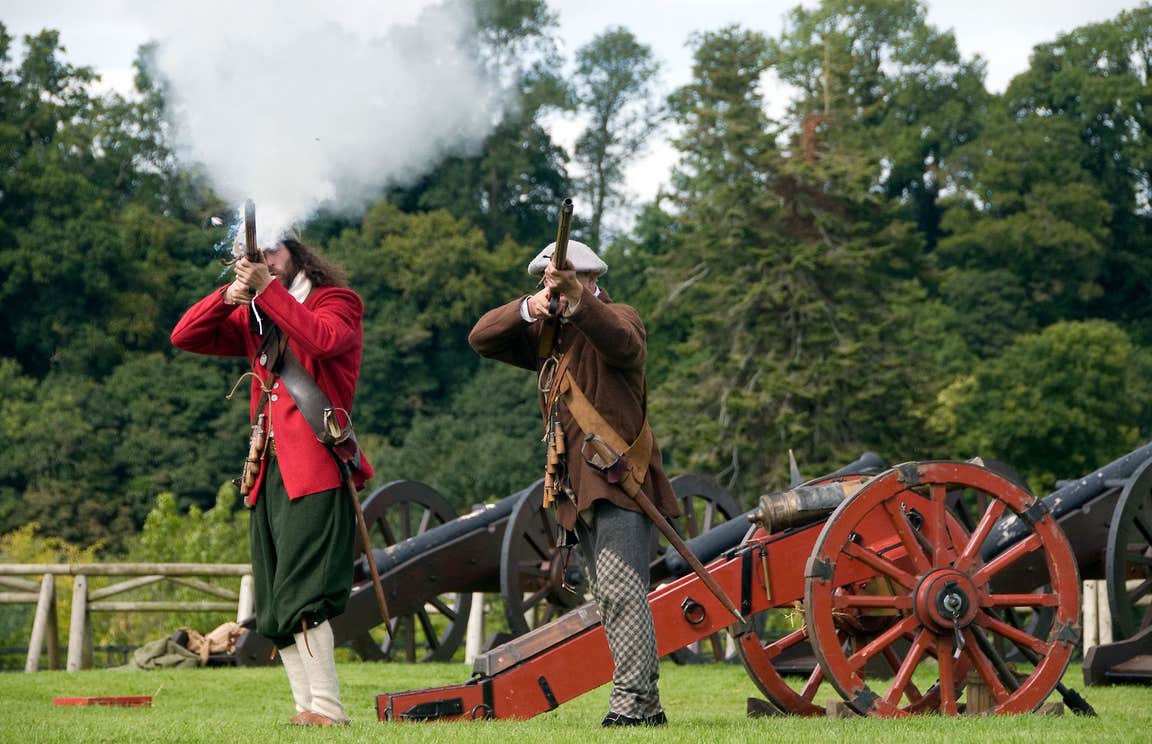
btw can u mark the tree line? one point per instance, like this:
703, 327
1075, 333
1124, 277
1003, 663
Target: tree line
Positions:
901, 262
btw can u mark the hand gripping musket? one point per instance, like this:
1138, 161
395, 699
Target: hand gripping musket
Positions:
550, 335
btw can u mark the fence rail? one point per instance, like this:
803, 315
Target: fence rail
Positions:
45, 627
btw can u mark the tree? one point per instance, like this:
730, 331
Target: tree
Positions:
1056, 404
426, 278
1094, 82
883, 91
799, 333
84, 212
613, 83
483, 446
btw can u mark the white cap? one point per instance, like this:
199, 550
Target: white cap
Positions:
582, 257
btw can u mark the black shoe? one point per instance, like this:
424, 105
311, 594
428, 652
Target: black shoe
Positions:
615, 719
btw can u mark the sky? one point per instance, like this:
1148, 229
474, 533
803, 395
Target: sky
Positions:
105, 34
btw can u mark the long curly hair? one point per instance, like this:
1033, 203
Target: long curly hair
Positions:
319, 270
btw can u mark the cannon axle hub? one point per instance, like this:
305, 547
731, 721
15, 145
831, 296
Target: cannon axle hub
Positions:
945, 599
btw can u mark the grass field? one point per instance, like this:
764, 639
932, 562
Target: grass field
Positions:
705, 703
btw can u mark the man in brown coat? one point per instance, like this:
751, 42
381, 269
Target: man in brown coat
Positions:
602, 352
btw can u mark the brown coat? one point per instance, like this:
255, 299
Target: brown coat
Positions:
609, 351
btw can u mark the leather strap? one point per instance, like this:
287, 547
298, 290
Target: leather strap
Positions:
313, 403
637, 455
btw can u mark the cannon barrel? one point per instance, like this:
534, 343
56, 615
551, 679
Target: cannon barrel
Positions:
1065, 500
798, 506
728, 535
424, 545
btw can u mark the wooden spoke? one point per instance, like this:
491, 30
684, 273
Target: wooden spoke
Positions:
936, 523
947, 667
1012, 633
882, 601
984, 667
882, 641
903, 679
874, 560
813, 684
1038, 599
1029, 544
994, 511
907, 535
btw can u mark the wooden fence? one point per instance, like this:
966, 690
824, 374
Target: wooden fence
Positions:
45, 626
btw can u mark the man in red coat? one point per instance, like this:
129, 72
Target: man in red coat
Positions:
302, 523
603, 349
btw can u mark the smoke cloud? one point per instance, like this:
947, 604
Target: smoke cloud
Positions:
302, 105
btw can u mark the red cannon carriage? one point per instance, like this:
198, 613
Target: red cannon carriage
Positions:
895, 589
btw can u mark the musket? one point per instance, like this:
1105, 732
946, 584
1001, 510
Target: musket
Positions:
251, 250
560, 253
369, 558
550, 333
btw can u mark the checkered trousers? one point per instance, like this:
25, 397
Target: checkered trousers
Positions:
616, 549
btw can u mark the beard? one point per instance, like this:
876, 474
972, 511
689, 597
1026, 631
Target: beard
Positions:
287, 278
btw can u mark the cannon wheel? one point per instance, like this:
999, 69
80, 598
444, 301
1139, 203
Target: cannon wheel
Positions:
1129, 556
703, 505
761, 658
534, 574
395, 512
894, 555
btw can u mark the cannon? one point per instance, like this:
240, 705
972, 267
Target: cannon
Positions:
889, 578
1107, 518
431, 561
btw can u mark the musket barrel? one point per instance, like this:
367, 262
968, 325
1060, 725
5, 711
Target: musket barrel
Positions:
251, 250
560, 252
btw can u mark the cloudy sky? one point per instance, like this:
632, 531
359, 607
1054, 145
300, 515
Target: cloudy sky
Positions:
106, 33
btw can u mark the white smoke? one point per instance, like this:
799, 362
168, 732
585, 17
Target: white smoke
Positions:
300, 105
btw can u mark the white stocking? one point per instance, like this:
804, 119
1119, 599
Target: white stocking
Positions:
297, 677
318, 654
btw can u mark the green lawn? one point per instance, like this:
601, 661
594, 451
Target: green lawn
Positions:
705, 703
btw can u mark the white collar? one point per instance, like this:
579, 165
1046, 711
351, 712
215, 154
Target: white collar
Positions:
301, 286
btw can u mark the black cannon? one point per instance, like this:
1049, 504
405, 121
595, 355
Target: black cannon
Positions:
431, 561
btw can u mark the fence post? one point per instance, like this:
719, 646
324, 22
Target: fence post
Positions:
78, 624
246, 605
44, 624
475, 631
1090, 622
1103, 612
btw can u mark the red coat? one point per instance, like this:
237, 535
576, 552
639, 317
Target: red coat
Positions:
325, 332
